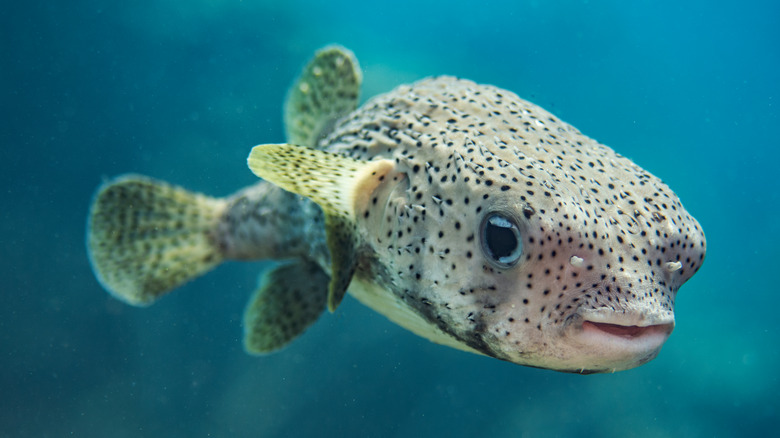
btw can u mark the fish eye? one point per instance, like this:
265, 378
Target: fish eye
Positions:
501, 240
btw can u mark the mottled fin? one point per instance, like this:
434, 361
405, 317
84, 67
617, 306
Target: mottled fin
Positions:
339, 184
327, 90
289, 299
342, 239
146, 237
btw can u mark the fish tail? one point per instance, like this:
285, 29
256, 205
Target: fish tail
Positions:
146, 237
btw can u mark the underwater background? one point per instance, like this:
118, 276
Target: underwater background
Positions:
182, 89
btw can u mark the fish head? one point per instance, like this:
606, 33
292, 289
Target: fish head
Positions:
519, 237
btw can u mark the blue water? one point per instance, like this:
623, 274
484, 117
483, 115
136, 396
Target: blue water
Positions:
181, 89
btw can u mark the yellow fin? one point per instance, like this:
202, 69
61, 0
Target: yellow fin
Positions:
289, 299
339, 184
146, 237
327, 90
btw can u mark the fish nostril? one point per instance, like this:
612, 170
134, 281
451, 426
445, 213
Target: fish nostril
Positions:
673, 266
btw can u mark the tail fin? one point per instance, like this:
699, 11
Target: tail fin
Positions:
146, 237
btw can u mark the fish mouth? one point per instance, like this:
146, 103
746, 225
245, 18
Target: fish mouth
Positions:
610, 341
627, 325
628, 331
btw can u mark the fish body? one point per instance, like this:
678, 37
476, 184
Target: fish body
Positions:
460, 211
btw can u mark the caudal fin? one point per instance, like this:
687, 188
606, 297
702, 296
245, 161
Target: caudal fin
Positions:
146, 237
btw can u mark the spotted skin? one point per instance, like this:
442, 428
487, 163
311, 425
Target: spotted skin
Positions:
465, 214
469, 150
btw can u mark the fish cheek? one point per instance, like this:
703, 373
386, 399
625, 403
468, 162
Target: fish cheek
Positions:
375, 211
379, 217
510, 304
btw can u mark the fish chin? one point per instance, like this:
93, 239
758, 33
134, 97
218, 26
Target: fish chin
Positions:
600, 342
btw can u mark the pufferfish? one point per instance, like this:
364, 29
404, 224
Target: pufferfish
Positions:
460, 211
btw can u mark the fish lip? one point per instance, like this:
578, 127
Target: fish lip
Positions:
612, 321
617, 340
620, 325
629, 331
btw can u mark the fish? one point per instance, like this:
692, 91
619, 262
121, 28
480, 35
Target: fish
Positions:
459, 211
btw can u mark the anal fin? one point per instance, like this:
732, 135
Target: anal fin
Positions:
289, 299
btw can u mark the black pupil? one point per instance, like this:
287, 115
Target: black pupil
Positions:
501, 241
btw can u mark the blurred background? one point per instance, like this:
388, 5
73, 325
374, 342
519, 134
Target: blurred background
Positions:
181, 90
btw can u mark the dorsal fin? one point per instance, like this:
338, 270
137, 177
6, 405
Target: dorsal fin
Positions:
340, 185
327, 90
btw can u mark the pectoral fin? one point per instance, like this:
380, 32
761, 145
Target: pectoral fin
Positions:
339, 184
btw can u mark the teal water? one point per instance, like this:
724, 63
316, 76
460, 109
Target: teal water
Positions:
181, 90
